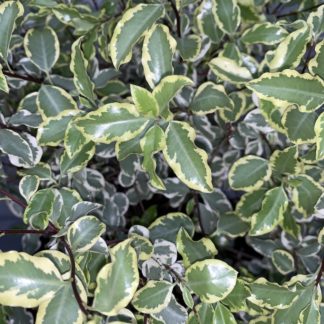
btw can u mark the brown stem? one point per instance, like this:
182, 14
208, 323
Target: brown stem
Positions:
22, 77
73, 277
320, 272
177, 17
13, 198
297, 12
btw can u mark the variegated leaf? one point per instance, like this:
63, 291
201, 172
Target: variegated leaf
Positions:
228, 15
28, 185
142, 246
319, 132
134, 23
42, 47
158, 50
153, 297
120, 276
290, 88
212, 280
189, 47
112, 122
283, 261
315, 65
144, 101
187, 161
3, 82
223, 315
271, 213
74, 140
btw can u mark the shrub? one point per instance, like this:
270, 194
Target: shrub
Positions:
166, 158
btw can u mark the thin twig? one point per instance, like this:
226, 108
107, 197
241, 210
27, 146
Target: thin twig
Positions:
22, 77
300, 11
177, 17
320, 272
73, 277
13, 198
196, 199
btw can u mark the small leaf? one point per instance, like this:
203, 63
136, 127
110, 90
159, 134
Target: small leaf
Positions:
134, 23
153, 297
228, 15
158, 50
189, 47
121, 277
83, 208
112, 122
28, 185
283, 261
192, 251
271, 213
212, 280
27, 281
74, 140
290, 88
84, 233
42, 47
142, 246
144, 101
188, 162
319, 132
249, 173
39, 209
9, 12
78, 67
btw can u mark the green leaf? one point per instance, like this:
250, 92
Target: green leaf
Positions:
192, 251
283, 261
209, 98
206, 21
290, 88
112, 122
204, 313
42, 47
271, 213
305, 193
232, 225
28, 185
212, 280
189, 47
134, 23
74, 140
120, 277
142, 246
299, 126
188, 162
319, 132
144, 101
3, 82
317, 61
158, 50
51, 132
166, 227
153, 142
229, 70
51, 101
39, 209
9, 12
291, 50
167, 89
84, 233
153, 297
78, 66
223, 315
249, 173
271, 295
264, 33
27, 281
228, 15
311, 314
237, 298
12, 143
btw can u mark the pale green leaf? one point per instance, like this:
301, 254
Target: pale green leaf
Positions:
74, 140
223, 315
144, 101
28, 185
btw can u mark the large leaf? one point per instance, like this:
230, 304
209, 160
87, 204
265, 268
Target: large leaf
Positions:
187, 161
112, 122
153, 297
134, 23
84, 233
271, 213
249, 173
27, 281
42, 47
40, 209
9, 12
53, 100
212, 280
319, 131
158, 49
228, 16
78, 67
117, 281
290, 88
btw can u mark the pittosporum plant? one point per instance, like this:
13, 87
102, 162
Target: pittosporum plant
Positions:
166, 157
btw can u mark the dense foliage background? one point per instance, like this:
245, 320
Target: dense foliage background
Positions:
166, 160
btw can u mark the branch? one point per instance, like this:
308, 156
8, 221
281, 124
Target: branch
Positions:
13, 198
73, 277
177, 17
300, 11
21, 231
22, 77
320, 272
